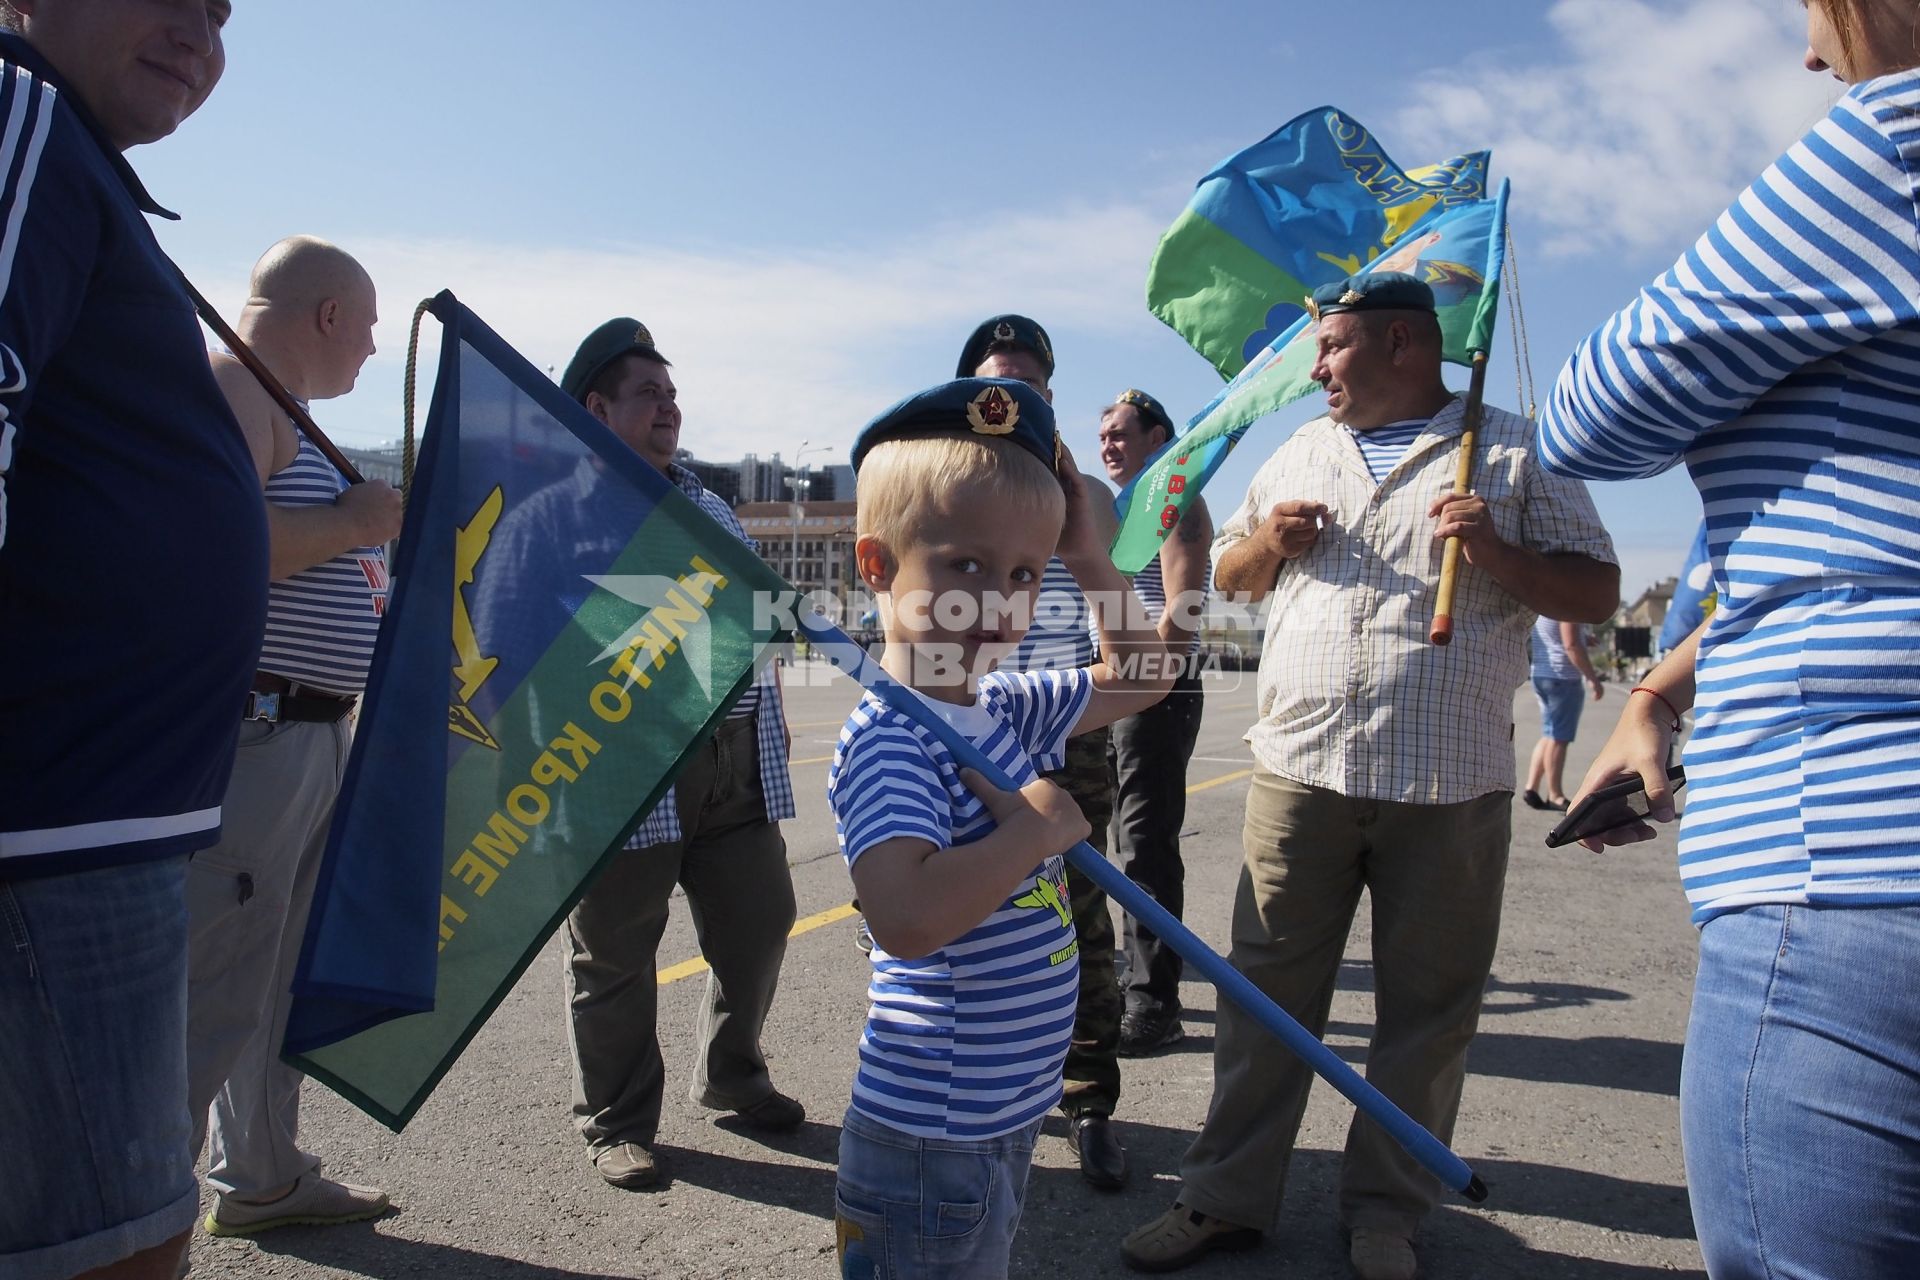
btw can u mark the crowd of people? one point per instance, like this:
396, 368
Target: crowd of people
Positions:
160, 837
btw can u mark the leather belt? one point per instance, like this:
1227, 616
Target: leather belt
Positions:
275, 698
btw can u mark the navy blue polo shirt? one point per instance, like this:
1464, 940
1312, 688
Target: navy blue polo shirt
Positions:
133, 538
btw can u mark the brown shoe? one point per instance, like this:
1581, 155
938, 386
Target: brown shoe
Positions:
628, 1165
1379, 1254
1180, 1237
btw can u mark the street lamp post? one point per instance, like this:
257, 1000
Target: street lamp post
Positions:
799, 494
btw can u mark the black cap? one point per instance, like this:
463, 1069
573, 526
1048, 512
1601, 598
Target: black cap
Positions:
1007, 330
617, 337
968, 406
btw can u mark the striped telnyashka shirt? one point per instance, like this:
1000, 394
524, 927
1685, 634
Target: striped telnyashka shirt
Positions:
1351, 695
1780, 360
967, 1043
1061, 636
1152, 590
322, 621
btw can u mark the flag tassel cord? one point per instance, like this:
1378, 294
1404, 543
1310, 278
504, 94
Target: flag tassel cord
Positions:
281, 396
407, 438
1524, 388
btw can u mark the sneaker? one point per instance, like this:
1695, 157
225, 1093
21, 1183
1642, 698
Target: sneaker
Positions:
631, 1166
314, 1201
1379, 1254
1180, 1237
775, 1113
862, 936
1533, 800
1144, 1030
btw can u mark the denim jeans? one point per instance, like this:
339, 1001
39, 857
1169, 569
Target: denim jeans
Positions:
93, 1067
1800, 1094
908, 1208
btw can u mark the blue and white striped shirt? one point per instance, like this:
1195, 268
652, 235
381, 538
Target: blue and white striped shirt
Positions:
967, 1043
1382, 448
1780, 359
1061, 637
323, 620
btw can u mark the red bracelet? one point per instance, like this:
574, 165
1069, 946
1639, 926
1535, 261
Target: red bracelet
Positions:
1640, 688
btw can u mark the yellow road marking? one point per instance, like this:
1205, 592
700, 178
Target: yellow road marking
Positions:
687, 968
809, 760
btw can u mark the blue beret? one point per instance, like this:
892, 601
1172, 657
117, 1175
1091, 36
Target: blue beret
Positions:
1007, 330
968, 406
1381, 291
1152, 410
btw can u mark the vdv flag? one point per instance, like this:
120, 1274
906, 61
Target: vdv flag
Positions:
1310, 203
1694, 595
1459, 250
566, 627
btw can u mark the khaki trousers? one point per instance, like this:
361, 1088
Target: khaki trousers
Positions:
1435, 875
247, 903
733, 864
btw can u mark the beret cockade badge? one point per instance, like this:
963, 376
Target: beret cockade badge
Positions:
993, 413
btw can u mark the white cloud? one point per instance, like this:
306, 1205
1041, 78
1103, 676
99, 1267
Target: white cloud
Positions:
768, 348
1643, 126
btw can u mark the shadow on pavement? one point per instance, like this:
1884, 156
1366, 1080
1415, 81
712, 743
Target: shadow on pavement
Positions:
1603, 1062
1071, 1231
359, 1249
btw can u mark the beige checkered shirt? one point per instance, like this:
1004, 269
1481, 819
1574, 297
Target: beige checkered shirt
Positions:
1352, 697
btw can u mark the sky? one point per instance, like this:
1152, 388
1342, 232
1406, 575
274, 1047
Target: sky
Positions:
812, 205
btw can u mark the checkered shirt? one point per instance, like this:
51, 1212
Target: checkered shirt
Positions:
770, 722
1352, 696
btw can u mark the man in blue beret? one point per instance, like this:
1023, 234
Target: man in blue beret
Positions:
1014, 346
715, 833
1382, 762
1148, 755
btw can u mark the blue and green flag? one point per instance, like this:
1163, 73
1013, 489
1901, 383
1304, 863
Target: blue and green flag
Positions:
1458, 249
566, 628
1314, 201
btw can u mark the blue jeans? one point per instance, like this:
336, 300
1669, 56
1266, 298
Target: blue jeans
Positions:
908, 1208
1800, 1095
93, 1068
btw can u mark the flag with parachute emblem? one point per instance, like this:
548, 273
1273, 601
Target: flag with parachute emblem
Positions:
566, 628
1459, 250
1312, 202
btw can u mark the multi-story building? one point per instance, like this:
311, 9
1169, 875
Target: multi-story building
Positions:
810, 544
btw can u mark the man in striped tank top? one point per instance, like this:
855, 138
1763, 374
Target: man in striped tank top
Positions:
309, 317
1061, 639
1148, 755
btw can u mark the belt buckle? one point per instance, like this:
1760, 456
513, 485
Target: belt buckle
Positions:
262, 706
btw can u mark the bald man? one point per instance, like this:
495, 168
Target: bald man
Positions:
310, 320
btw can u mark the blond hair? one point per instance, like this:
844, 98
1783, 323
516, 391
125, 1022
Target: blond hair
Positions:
906, 486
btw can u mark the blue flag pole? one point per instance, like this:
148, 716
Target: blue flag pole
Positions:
1433, 1155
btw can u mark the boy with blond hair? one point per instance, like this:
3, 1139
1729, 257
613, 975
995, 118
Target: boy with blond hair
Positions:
964, 493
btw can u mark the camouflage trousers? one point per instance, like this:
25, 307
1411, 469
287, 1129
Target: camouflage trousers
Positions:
1093, 1064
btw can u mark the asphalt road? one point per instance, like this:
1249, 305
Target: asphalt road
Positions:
1570, 1113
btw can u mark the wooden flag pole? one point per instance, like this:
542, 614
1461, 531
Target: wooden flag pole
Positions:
1442, 632
281, 396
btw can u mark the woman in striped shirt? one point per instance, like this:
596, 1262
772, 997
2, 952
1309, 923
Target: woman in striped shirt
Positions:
1780, 360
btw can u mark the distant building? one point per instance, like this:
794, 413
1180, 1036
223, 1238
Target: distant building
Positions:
722, 479
382, 462
810, 544
1650, 608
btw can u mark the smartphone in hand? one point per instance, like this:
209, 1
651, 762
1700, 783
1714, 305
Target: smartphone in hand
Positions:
1617, 804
